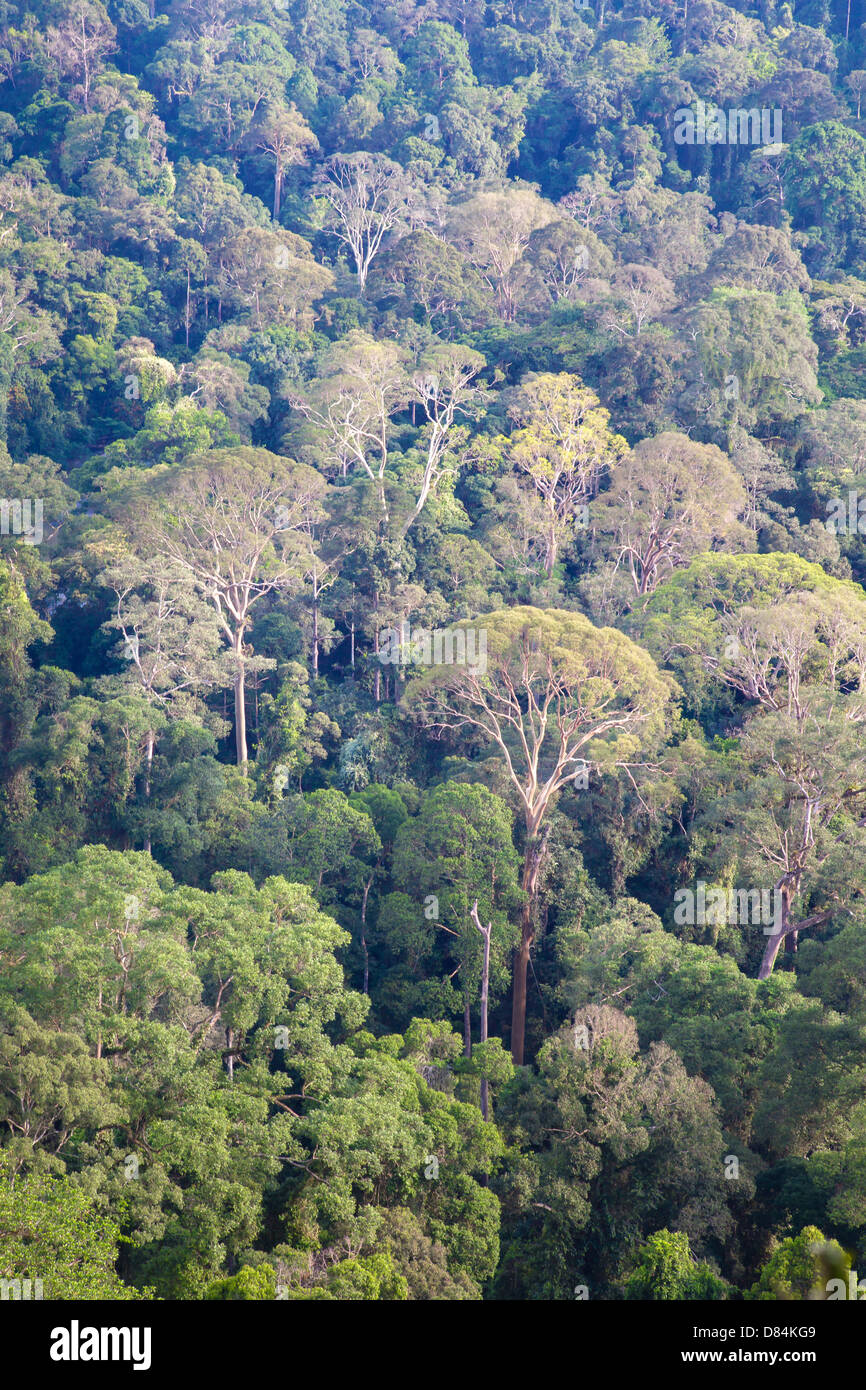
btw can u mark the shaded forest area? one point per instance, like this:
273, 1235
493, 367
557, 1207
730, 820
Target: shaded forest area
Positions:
433, 649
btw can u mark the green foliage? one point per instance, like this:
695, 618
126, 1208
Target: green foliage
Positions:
801, 1267
430, 505
665, 1269
50, 1230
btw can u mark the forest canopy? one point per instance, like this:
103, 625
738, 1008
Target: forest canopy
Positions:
432, 649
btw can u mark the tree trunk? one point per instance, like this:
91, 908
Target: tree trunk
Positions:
376, 650
364, 937
518, 1003
485, 986
278, 182
534, 858
787, 928
315, 633
485, 991
240, 704
151, 741
771, 950
550, 557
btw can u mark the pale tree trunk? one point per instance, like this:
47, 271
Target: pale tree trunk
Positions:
278, 186
86, 64
367, 886
315, 629
550, 557
533, 861
376, 650
485, 991
240, 702
151, 741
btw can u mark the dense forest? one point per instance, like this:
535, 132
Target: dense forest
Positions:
433, 649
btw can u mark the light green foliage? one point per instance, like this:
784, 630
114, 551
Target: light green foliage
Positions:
665, 1269
800, 1268
52, 1232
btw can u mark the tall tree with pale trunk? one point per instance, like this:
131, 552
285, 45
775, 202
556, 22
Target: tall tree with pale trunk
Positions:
233, 519
284, 134
367, 197
170, 643
791, 641
556, 696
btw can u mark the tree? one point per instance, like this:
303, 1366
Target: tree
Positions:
800, 1268
20, 628
368, 196
78, 43
52, 1231
361, 384
762, 472
824, 175
423, 270
562, 443
689, 623
284, 134
834, 450
249, 1284
485, 933
169, 643
455, 854
720, 1022
669, 499
328, 840
640, 294
613, 1140
227, 95
230, 520
571, 261
446, 388
754, 357
666, 1270
856, 80
757, 258
167, 1098
271, 277
810, 818
493, 230
556, 696
791, 640
364, 383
